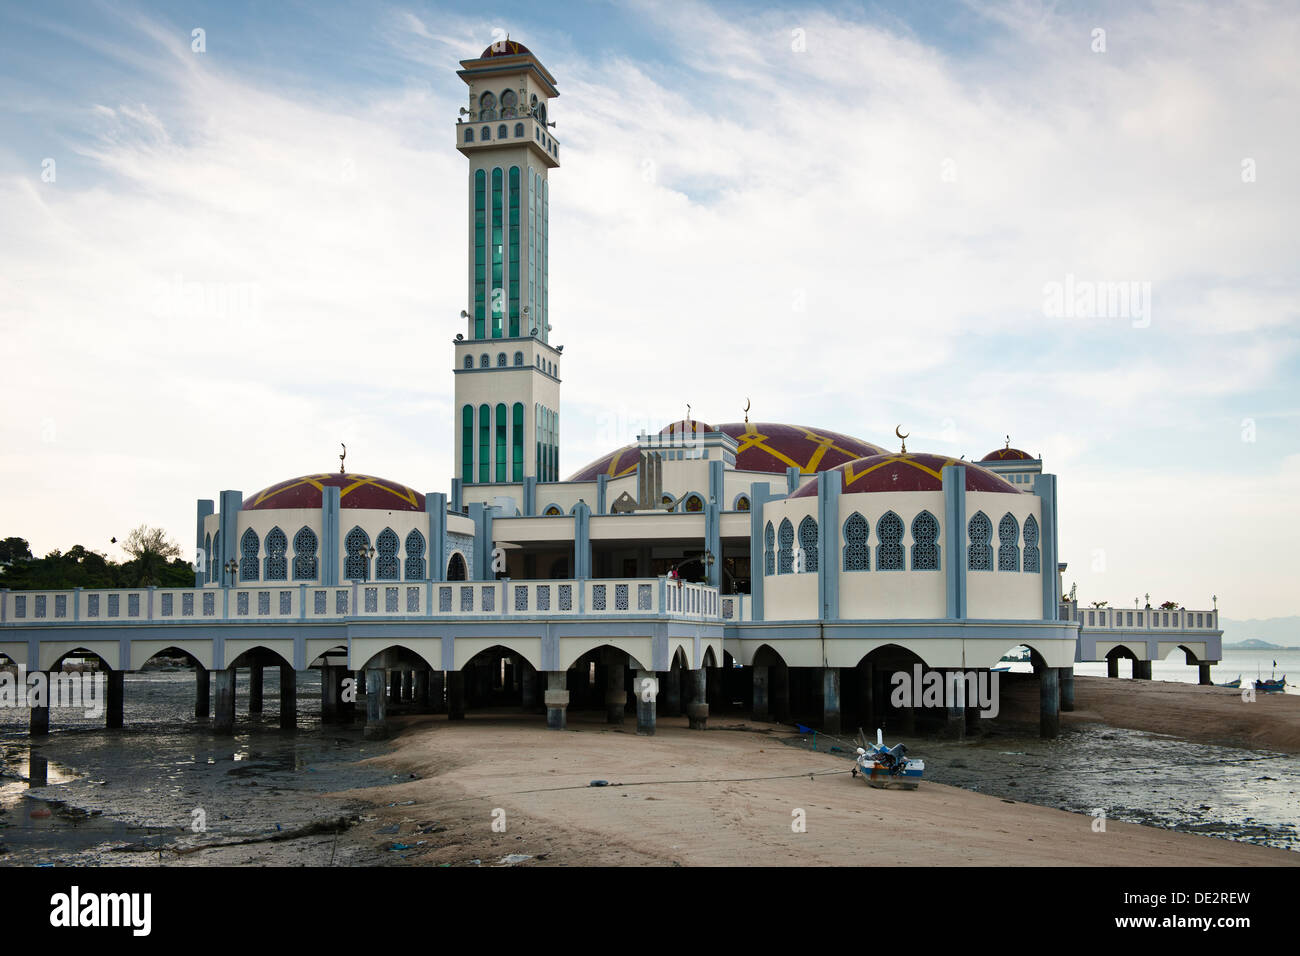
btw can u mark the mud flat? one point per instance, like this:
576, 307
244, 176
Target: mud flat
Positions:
726, 797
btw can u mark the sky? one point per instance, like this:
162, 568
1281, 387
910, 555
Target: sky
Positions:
217, 264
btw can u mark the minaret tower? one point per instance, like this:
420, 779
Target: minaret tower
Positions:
507, 372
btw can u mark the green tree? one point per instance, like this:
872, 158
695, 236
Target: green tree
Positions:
151, 551
15, 549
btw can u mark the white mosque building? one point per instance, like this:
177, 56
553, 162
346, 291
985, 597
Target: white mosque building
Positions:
781, 569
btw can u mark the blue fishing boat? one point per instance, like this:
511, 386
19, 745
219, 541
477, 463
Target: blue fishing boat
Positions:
888, 768
1271, 686
1232, 683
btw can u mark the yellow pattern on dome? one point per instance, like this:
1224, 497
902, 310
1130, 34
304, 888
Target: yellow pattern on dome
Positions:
753, 439
316, 481
850, 475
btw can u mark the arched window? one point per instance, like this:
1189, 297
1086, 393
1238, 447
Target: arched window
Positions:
1032, 564
925, 542
304, 555
485, 133
509, 100
217, 568
742, 503
456, 568
386, 565
693, 503
769, 542
517, 440
469, 361
415, 556
467, 444
469, 134
356, 566
277, 563
248, 556
501, 131
501, 360
207, 550
856, 555
519, 358
519, 129
889, 552
785, 554
1008, 543
808, 542
487, 103
980, 530
483, 361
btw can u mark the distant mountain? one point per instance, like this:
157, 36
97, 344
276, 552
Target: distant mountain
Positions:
1266, 634
1255, 645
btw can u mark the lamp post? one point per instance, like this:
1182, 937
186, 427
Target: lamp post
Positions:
368, 553
230, 568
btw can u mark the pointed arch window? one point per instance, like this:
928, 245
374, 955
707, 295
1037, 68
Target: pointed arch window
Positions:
519, 358
1032, 562
769, 542
856, 555
304, 555
248, 547
980, 552
519, 129
1008, 543
501, 360
356, 566
207, 550
386, 563
808, 542
785, 555
456, 567
693, 503
217, 569
502, 133
469, 134
889, 552
415, 556
925, 542
277, 561
469, 361
485, 133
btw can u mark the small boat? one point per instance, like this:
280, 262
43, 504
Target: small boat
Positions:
1232, 683
1271, 686
888, 768
1001, 668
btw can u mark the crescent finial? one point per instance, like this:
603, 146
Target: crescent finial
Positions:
341, 457
898, 430
747, 411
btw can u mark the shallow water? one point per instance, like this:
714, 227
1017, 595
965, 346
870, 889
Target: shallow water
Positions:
143, 786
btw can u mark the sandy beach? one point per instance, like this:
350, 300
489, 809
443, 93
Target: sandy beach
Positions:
727, 797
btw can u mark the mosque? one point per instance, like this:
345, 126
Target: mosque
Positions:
783, 570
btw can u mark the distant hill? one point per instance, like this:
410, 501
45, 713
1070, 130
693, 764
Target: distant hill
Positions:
1271, 633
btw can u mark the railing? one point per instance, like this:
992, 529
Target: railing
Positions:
1147, 619
735, 607
629, 597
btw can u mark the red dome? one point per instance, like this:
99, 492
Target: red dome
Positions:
505, 48
355, 491
761, 446
1008, 454
912, 471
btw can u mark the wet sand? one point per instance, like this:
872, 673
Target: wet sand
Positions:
725, 797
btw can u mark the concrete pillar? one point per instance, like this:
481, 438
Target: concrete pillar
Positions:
1049, 702
867, 698
954, 723
438, 692
223, 702
1204, 679
116, 702
288, 698
456, 695
779, 691
697, 711
1112, 667
1142, 670
646, 690
421, 692
670, 692
376, 705
556, 699
615, 694
329, 693
759, 710
202, 693
40, 716
1067, 688
830, 680
255, 688
527, 687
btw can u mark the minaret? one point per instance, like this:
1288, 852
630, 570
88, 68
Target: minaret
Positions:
507, 373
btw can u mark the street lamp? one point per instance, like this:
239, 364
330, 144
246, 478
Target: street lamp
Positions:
368, 553
231, 567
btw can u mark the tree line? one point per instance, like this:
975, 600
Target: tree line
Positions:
153, 560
